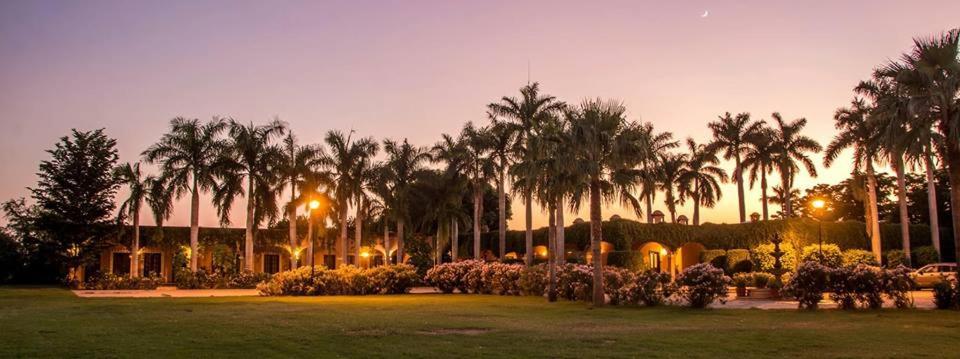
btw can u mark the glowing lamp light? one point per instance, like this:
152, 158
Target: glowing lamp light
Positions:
364, 252
663, 251
314, 204
819, 203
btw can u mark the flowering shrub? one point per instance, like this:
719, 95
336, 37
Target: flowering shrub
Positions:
702, 284
447, 277
861, 284
648, 288
247, 279
742, 280
614, 280
807, 284
347, 280
506, 278
533, 280
478, 278
842, 287
945, 295
110, 281
897, 284
575, 282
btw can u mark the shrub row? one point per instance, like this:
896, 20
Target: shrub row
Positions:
849, 286
110, 281
348, 280
201, 279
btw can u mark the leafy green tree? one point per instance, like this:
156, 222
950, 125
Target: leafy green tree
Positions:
701, 177
187, 156
732, 136
75, 196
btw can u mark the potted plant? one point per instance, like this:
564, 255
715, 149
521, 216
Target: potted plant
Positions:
741, 280
761, 282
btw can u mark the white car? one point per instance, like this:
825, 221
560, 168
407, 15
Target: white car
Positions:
932, 274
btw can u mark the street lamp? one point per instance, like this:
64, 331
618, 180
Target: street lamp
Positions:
818, 207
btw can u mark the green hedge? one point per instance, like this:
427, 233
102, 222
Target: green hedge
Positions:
716, 257
738, 260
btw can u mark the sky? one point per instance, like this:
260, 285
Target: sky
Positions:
418, 69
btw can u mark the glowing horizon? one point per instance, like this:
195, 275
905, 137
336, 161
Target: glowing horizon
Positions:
420, 69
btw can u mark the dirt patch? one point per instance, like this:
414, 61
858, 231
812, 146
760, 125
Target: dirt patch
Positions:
454, 331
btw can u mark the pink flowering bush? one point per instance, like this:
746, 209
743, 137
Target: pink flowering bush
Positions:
702, 284
575, 282
348, 280
533, 280
614, 280
860, 284
897, 284
807, 284
650, 288
505, 278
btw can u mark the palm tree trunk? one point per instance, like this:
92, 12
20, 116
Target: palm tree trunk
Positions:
194, 227
477, 208
292, 220
552, 255
763, 194
561, 240
649, 200
248, 233
596, 239
696, 202
454, 240
310, 253
902, 199
787, 185
399, 241
358, 232
386, 240
502, 224
932, 202
135, 246
875, 221
739, 179
953, 169
341, 245
528, 239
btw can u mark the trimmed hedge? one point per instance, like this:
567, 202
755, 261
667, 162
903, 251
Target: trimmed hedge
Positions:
716, 257
738, 260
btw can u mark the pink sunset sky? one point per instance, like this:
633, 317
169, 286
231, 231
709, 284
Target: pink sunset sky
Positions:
418, 69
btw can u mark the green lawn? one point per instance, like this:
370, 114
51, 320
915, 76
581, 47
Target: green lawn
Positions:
52, 322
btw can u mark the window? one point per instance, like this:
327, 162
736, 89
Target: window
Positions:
655, 260
121, 263
151, 264
271, 263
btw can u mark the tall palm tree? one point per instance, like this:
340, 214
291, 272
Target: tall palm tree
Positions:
187, 155
731, 135
129, 175
314, 185
502, 141
671, 167
480, 169
297, 164
344, 156
606, 144
525, 113
552, 148
657, 146
791, 149
253, 158
701, 177
930, 76
403, 163
365, 177
780, 198
760, 160
452, 152
860, 136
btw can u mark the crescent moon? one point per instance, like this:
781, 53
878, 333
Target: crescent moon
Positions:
705, 13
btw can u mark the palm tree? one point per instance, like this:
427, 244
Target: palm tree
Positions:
700, 178
298, 163
780, 198
657, 146
314, 185
345, 155
453, 152
403, 163
930, 77
606, 144
671, 167
502, 141
526, 113
857, 134
731, 135
138, 186
250, 157
187, 155
480, 169
791, 148
364, 178
760, 160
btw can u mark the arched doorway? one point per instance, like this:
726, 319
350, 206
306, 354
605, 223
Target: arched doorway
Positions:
689, 254
655, 256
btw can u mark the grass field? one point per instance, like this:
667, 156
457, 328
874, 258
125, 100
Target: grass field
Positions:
46, 322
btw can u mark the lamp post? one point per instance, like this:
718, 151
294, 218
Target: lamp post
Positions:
818, 206
314, 204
